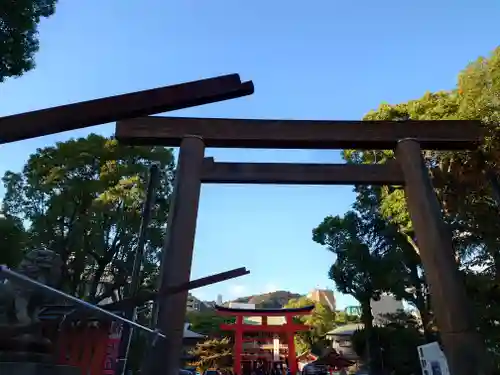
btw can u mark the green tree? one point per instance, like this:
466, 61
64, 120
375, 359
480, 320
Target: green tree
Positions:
458, 177
321, 321
19, 21
398, 340
361, 265
207, 323
407, 280
485, 292
462, 181
13, 239
454, 173
83, 198
213, 353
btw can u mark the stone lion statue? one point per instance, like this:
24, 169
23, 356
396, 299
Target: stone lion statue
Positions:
20, 304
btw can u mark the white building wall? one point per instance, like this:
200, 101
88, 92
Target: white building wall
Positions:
386, 305
238, 305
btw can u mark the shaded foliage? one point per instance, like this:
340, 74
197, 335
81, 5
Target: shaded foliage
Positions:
213, 353
320, 322
363, 247
463, 183
208, 323
398, 341
19, 21
12, 240
83, 198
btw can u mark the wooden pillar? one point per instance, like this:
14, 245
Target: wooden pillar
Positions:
292, 357
238, 345
463, 346
177, 257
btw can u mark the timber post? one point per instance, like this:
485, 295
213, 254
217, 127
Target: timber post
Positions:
463, 346
177, 256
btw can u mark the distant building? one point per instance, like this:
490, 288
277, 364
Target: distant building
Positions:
341, 336
193, 303
323, 296
210, 305
341, 340
387, 304
219, 299
239, 305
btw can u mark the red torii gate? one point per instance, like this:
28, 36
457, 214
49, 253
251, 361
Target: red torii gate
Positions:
290, 328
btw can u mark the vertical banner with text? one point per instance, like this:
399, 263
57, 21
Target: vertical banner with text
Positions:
112, 347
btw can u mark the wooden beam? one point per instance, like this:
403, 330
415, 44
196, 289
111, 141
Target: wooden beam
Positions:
299, 134
141, 103
177, 257
269, 328
462, 344
301, 174
146, 295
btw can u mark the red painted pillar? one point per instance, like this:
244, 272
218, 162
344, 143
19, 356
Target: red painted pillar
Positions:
238, 345
292, 357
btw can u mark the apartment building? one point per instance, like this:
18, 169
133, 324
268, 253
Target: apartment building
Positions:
323, 296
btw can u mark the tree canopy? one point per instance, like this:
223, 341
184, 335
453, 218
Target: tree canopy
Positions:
321, 321
374, 245
12, 239
213, 353
208, 322
19, 43
398, 341
83, 198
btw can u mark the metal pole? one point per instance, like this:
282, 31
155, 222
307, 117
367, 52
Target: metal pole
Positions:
24, 280
177, 257
463, 346
131, 311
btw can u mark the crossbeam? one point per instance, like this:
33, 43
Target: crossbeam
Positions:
284, 328
146, 296
301, 174
300, 134
141, 103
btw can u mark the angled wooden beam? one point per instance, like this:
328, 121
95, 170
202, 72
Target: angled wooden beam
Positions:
146, 295
300, 134
301, 174
141, 103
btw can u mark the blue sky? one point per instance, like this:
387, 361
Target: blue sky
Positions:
316, 60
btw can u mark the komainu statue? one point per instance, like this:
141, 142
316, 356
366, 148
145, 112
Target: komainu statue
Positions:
20, 304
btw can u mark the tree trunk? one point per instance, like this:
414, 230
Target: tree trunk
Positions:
425, 317
422, 306
92, 296
374, 354
496, 262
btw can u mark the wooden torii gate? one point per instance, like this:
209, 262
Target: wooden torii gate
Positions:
464, 348
142, 103
288, 329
